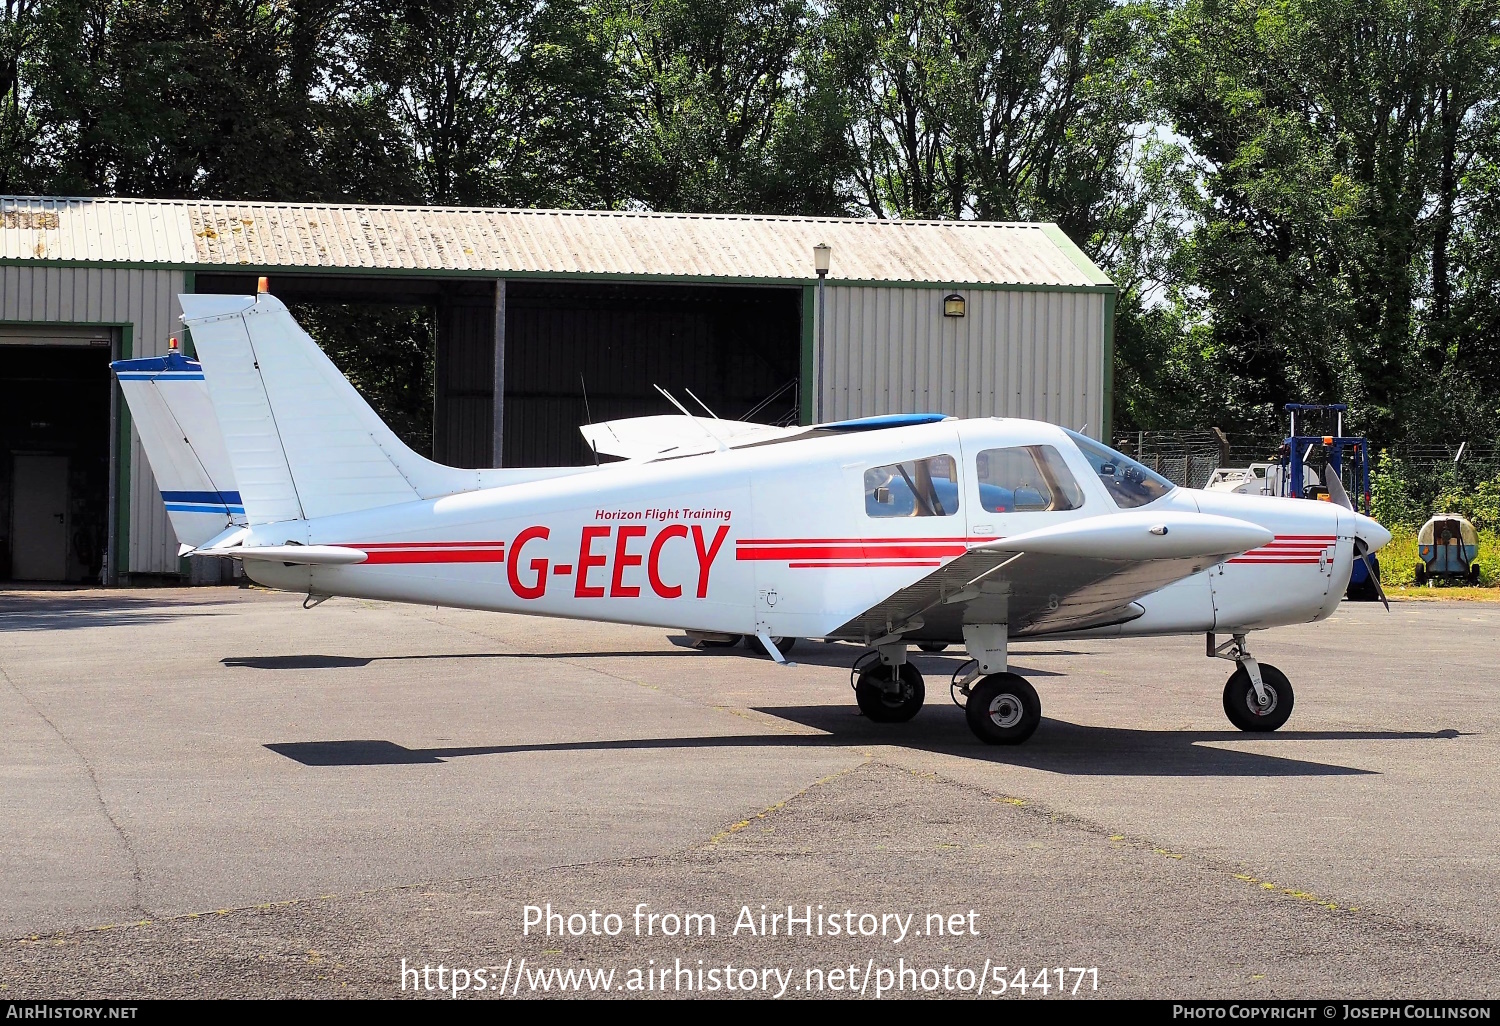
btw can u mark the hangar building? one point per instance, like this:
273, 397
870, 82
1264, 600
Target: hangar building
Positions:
531, 307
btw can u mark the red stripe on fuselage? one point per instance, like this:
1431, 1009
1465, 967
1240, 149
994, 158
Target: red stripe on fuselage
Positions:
894, 562
860, 541
428, 545
852, 552
434, 556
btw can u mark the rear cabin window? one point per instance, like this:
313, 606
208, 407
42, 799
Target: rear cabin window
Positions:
916, 488
1026, 479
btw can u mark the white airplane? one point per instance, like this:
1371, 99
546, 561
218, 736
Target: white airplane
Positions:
887, 531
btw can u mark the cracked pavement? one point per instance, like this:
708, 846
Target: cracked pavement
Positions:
212, 792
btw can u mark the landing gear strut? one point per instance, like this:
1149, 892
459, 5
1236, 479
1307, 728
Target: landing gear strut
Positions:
889, 689
1002, 707
1258, 696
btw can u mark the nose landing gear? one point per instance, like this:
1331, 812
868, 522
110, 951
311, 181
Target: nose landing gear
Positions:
1258, 697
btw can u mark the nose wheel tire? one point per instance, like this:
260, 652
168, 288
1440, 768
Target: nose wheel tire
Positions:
1003, 709
933, 646
890, 694
1246, 712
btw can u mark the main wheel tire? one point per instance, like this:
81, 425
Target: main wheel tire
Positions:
783, 645
884, 705
1421, 574
1245, 712
1003, 709
933, 646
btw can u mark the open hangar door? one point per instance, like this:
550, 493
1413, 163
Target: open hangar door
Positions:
737, 348
54, 452
419, 349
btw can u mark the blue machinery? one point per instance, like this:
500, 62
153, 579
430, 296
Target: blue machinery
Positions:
1298, 448
1335, 447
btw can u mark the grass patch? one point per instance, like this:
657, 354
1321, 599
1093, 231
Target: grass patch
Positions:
1442, 593
1398, 568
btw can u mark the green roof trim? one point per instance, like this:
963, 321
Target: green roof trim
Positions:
1080, 259
686, 279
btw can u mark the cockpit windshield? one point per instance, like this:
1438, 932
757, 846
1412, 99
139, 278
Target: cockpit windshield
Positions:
1129, 483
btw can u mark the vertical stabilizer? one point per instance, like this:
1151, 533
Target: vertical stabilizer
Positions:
170, 407
302, 442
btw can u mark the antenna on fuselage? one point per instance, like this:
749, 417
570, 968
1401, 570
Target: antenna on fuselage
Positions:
588, 414
683, 409
715, 416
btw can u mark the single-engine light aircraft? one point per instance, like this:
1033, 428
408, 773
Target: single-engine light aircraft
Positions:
888, 531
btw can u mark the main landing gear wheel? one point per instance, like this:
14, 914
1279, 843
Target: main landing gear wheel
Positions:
783, 645
890, 694
1246, 712
932, 646
1003, 709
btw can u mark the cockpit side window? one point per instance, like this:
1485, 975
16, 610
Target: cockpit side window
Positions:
1026, 478
916, 488
1128, 483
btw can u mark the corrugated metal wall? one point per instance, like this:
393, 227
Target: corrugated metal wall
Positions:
145, 300
1023, 354
463, 423
1038, 355
732, 346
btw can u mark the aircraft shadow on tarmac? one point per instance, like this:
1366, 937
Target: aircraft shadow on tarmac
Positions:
812, 655
64, 611
1057, 747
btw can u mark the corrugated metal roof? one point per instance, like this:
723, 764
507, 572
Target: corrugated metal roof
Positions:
205, 233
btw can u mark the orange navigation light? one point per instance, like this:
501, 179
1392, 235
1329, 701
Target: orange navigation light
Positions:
263, 284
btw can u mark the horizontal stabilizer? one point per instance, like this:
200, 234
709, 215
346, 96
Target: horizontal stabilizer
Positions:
305, 555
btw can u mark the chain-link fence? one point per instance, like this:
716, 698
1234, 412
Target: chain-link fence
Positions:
1189, 458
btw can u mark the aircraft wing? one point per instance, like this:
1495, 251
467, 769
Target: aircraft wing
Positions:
1081, 574
675, 435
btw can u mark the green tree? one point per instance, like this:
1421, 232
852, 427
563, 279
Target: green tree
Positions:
727, 107
990, 110
1331, 142
19, 39
495, 101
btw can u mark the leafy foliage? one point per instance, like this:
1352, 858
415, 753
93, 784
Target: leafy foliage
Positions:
1299, 200
387, 353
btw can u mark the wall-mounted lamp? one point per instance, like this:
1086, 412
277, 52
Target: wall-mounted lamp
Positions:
953, 305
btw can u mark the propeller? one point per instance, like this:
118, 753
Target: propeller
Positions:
1337, 494
1336, 489
1374, 577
